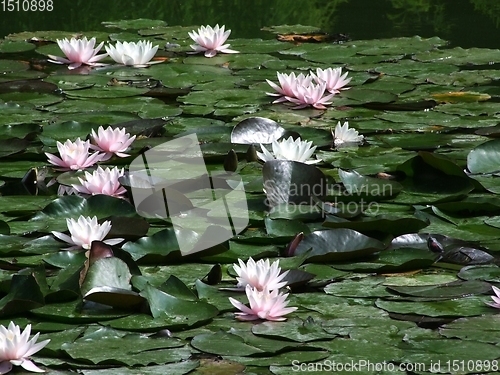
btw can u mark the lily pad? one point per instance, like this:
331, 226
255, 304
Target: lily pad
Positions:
180, 312
337, 245
292, 182
257, 130
485, 158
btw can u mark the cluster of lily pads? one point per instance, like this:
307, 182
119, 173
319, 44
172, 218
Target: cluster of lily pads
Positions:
380, 236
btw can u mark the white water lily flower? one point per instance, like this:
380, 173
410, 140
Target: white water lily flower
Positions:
288, 85
78, 52
211, 40
333, 79
101, 181
85, 230
260, 274
16, 347
344, 134
133, 54
66, 190
263, 305
289, 149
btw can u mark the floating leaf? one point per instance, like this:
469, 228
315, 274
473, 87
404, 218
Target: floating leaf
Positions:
24, 294
107, 346
386, 224
180, 312
337, 245
107, 272
72, 206
12, 146
222, 343
257, 130
293, 329
292, 182
490, 273
470, 306
452, 290
140, 23
485, 158
461, 96
356, 184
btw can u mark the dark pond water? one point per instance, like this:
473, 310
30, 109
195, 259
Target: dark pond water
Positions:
466, 23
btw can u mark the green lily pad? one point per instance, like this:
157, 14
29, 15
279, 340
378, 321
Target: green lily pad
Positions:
362, 288
24, 294
386, 224
15, 47
390, 261
12, 146
180, 312
107, 272
162, 244
293, 329
451, 290
490, 273
469, 306
222, 343
179, 368
107, 346
337, 245
140, 23
460, 56
481, 328
69, 130
484, 158
357, 184
71, 206
73, 313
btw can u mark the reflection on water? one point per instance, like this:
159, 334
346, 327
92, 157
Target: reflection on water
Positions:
464, 22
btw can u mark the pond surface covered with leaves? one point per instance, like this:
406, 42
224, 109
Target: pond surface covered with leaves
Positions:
393, 265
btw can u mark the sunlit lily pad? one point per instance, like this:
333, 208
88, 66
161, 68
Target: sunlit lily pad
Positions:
292, 182
257, 130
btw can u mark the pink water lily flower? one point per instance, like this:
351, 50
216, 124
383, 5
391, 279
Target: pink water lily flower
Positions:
263, 305
333, 79
78, 52
101, 181
260, 274
310, 95
211, 40
16, 348
134, 54
495, 298
111, 141
74, 155
85, 230
288, 83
